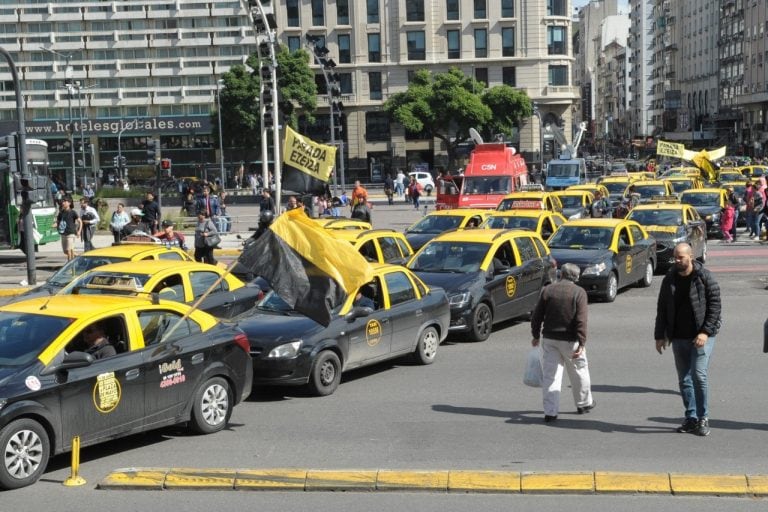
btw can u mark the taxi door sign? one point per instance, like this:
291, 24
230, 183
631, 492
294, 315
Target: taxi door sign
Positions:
106, 392
373, 333
511, 285
629, 264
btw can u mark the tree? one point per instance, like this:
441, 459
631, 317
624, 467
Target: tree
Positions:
446, 105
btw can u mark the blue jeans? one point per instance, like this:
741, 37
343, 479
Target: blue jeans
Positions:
692, 364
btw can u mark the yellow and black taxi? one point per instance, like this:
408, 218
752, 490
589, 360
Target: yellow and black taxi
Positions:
611, 253
440, 221
186, 282
594, 188
682, 182
531, 200
378, 245
343, 223
393, 315
726, 176
616, 186
709, 203
98, 257
671, 223
489, 275
753, 172
104, 367
577, 204
648, 190
542, 222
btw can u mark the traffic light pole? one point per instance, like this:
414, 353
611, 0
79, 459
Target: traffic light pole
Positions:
26, 210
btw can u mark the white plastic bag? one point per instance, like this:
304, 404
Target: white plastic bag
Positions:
533, 375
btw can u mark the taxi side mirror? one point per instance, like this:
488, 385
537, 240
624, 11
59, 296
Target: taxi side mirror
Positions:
623, 246
72, 360
357, 312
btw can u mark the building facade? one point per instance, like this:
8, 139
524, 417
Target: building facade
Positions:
753, 100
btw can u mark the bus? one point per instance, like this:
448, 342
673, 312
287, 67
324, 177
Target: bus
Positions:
40, 195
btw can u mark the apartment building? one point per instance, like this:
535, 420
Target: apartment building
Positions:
610, 73
751, 33
642, 24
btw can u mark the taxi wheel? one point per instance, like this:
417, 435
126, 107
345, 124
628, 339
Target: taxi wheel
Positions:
212, 407
647, 279
426, 348
25, 452
482, 322
612, 288
326, 374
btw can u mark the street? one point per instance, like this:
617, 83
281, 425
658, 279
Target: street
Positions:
470, 410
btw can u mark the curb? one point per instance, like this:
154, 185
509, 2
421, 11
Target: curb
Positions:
12, 292
454, 481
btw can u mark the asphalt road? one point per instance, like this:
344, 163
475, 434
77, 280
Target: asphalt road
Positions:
470, 410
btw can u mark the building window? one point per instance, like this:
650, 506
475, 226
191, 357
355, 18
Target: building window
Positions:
411, 75
417, 49
454, 44
507, 8
374, 47
294, 43
318, 13
345, 55
292, 10
345, 83
373, 11
374, 81
342, 12
556, 40
480, 10
452, 9
556, 7
481, 75
481, 43
558, 75
414, 10
508, 76
377, 126
508, 42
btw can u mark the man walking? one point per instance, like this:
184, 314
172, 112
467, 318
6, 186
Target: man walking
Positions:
688, 318
562, 310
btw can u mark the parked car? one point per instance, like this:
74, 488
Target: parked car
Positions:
440, 221
425, 180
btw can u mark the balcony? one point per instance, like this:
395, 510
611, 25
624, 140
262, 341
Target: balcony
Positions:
560, 90
671, 47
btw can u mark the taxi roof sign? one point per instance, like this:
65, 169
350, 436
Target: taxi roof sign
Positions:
115, 282
532, 187
664, 199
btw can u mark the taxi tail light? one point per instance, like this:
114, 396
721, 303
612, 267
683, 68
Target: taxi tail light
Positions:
241, 340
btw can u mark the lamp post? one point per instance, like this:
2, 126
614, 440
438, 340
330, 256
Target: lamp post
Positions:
221, 140
71, 178
541, 137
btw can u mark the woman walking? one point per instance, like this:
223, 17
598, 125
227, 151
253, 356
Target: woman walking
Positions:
206, 238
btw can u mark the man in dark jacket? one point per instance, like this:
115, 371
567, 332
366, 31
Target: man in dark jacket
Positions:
688, 318
562, 310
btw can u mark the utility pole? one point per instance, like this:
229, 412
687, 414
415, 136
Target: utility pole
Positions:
221, 140
72, 175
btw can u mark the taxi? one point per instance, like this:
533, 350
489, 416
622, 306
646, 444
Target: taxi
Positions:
708, 202
437, 222
753, 171
167, 365
728, 176
489, 275
98, 257
616, 186
577, 204
591, 187
642, 175
531, 200
336, 223
671, 223
378, 245
681, 182
184, 282
739, 189
611, 253
542, 222
394, 315
649, 189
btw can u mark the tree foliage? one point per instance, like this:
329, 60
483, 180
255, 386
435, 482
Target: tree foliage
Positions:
446, 105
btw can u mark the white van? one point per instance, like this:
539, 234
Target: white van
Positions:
425, 180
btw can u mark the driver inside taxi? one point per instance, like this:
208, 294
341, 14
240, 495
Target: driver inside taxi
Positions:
98, 344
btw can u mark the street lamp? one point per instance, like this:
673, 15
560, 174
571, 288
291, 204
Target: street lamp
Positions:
541, 137
78, 87
71, 179
221, 140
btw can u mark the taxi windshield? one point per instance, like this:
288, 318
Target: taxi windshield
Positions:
579, 237
439, 256
435, 224
705, 199
680, 185
731, 176
648, 191
79, 266
111, 283
23, 336
486, 185
616, 188
572, 201
512, 223
657, 217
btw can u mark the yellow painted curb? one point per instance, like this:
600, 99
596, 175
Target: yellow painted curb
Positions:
329, 480
758, 484
139, 479
184, 478
557, 483
708, 484
611, 482
484, 481
271, 479
12, 292
392, 480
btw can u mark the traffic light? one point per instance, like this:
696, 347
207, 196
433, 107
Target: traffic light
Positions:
267, 96
123, 162
116, 162
153, 151
9, 160
548, 147
165, 164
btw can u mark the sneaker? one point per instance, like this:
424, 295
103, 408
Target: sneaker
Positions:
688, 426
584, 410
702, 427
549, 419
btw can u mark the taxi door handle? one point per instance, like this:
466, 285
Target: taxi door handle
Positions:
132, 374
385, 320
198, 358
419, 312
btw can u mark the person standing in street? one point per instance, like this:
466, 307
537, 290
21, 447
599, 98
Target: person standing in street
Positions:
389, 189
151, 211
206, 238
267, 203
399, 185
70, 226
90, 219
688, 317
559, 323
120, 219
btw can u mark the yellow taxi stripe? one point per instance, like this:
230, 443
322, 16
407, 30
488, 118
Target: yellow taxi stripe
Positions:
187, 478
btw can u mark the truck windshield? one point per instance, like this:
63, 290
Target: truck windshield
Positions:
558, 170
486, 185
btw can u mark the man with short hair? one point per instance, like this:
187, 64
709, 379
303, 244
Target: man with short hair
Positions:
98, 344
151, 211
70, 226
90, 219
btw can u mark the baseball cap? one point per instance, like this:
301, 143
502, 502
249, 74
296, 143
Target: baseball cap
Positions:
136, 212
167, 223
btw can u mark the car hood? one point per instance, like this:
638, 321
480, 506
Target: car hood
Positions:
451, 282
41, 291
417, 240
268, 327
660, 232
580, 257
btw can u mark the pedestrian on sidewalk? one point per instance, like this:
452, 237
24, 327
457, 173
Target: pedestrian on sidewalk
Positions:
90, 219
119, 220
688, 316
400, 183
389, 189
70, 226
414, 191
559, 323
206, 238
727, 219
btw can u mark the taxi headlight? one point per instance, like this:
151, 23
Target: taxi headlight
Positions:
594, 270
285, 351
679, 239
460, 299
